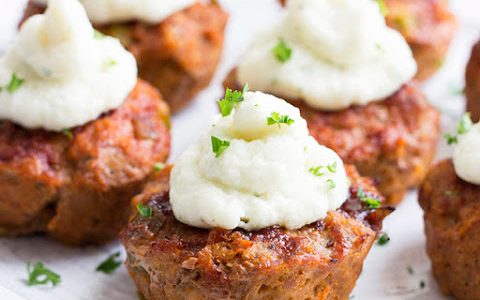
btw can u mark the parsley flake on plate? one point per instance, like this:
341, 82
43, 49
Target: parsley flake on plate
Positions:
14, 84
109, 265
383, 7
38, 274
383, 239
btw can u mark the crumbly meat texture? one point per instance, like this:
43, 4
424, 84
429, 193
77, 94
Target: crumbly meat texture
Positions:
171, 260
472, 89
452, 226
179, 56
428, 26
393, 140
77, 185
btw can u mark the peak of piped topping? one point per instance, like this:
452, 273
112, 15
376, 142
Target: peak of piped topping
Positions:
256, 167
69, 74
329, 53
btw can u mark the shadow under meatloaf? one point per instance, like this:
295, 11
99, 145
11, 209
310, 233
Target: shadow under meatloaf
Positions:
76, 186
393, 140
179, 56
452, 226
472, 88
171, 260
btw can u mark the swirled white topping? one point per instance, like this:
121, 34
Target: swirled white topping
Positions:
342, 53
111, 11
268, 175
466, 155
68, 76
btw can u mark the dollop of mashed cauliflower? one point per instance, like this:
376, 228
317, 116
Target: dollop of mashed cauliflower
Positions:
466, 155
342, 53
67, 74
273, 174
111, 11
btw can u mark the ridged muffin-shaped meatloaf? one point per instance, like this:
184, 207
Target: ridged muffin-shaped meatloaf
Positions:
428, 26
179, 55
171, 260
77, 185
452, 226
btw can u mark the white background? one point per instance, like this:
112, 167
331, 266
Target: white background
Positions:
385, 274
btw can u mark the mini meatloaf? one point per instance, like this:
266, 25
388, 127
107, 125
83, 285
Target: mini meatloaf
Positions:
452, 227
179, 56
472, 88
428, 26
393, 140
77, 185
171, 260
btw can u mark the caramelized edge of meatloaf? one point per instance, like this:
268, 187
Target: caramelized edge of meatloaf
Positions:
178, 55
171, 260
452, 227
472, 78
397, 156
76, 185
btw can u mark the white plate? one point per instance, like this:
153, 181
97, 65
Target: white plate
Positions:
385, 274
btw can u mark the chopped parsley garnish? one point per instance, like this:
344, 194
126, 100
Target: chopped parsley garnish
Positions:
331, 184
422, 284
462, 127
14, 83
276, 118
158, 167
41, 275
282, 51
383, 239
369, 201
231, 100
316, 171
109, 265
68, 133
98, 35
333, 167
219, 146
110, 63
383, 7
410, 270
144, 210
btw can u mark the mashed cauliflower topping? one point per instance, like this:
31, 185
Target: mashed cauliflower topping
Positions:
466, 155
111, 11
64, 74
272, 172
328, 62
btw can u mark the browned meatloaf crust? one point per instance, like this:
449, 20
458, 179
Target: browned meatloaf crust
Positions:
452, 227
472, 88
179, 56
170, 260
393, 141
76, 186
428, 26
